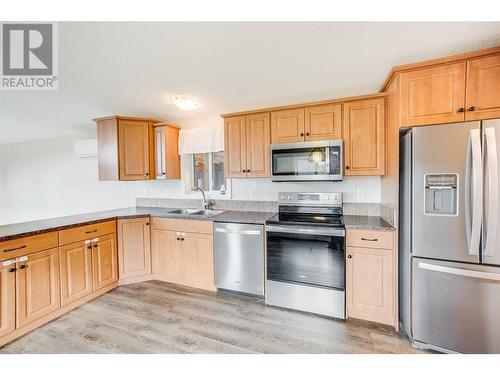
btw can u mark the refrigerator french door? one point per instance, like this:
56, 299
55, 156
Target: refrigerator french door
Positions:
449, 249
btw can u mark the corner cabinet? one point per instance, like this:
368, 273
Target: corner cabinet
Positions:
134, 250
246, 142
371, 276
166, 145
364, 137
125, 148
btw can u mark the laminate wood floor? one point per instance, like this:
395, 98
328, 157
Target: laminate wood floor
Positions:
157, 317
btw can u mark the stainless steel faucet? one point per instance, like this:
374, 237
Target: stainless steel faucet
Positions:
206, 205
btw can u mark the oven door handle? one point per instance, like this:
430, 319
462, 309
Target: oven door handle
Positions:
305, 230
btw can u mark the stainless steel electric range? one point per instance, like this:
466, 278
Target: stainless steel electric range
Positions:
306, 254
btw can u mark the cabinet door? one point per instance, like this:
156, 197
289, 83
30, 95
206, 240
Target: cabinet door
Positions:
287, 126
369, 284
433, 95
235, 153
364, 137
134, 251
37, 286
166, 255
7, 299
104, 260
76, 271
133, 149
323, 122
483, 89
198, 261
258, 139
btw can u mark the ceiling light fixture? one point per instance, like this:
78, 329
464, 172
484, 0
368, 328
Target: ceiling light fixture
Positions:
185, 103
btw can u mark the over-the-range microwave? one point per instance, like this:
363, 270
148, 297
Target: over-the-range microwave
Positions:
307, 161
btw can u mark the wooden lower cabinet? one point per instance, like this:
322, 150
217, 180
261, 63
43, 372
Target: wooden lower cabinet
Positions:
76, 271
37, 286
134, 250
7, 300
105, 261
183, 258
371, 278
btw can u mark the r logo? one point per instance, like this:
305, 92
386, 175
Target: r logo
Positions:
27, 49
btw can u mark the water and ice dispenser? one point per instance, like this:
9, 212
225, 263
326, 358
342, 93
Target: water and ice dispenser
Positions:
441, 194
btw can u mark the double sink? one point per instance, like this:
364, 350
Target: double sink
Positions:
195, 211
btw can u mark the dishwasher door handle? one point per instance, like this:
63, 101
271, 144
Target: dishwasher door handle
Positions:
243, 232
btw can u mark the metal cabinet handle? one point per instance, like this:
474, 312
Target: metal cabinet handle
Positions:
12, 269
369, 239
301, 134
471, 109
460, 110
23, 266
178, 238
182, 238
91, 231
89, 247
95, 245
14, 249
349, 256
147, 174
307, 134
347, 167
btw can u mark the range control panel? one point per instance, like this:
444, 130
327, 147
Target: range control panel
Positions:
320, 199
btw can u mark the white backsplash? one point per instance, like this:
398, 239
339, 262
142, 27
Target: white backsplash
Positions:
43, 179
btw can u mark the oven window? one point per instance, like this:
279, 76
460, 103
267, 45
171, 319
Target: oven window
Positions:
306, 259
300, 161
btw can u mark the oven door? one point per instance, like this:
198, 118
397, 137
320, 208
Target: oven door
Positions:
312, 256
307, 161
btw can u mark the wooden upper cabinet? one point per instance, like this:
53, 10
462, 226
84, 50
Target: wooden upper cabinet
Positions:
364, 137
483, 88
105, 261
434, 95
167, 159
323, 122
134, 250
76, 271
258, 139
235, 147
125, 148
288, 126
133, 149
7, 299
37, 286
247, 140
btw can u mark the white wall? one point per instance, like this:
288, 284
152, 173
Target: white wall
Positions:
43, 179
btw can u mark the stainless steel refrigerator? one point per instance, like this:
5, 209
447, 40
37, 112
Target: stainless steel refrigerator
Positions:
449, 237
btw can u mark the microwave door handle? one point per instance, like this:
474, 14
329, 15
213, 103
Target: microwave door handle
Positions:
473, 193
492, 170
327, 160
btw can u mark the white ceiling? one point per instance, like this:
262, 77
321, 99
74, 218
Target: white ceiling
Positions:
134, 68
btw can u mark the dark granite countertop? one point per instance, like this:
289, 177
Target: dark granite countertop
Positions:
247, 217
16, 230
366, 222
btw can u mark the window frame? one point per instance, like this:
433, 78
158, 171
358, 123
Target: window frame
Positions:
211, 190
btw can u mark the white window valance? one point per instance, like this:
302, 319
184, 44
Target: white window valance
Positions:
201, 140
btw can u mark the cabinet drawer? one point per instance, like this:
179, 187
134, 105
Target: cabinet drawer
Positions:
180, 225
84, 232
370, 238
25, 245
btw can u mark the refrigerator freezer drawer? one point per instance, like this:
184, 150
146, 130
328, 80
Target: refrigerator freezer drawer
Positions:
456, 306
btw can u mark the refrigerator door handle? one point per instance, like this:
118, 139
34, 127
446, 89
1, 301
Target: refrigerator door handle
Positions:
473, 194
491, 232
460, 271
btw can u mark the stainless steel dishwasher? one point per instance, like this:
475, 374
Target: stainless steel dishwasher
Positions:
239, 258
